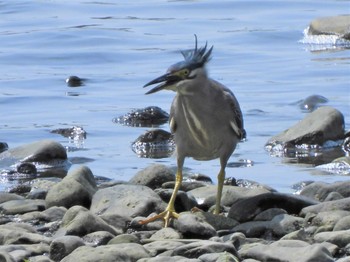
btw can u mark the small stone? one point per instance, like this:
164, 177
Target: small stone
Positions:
21, 206
340, 238
63, 246
124, 238
98, 238
74, 81
332, 25
166, 233
153, 176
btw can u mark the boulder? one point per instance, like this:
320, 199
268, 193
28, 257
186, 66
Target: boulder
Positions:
21, 206
77, 188
63, 246
340, 238
320, 190
332, 25
153, 176
323, 124
341, 204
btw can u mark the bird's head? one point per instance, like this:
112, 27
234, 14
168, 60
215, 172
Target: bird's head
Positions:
187, 70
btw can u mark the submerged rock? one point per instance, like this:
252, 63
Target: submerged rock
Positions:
312, 102
146, 117
75, 81
155, 143
324, 124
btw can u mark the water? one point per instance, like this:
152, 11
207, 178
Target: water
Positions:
118, 46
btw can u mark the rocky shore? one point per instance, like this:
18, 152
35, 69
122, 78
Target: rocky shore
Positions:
77, 216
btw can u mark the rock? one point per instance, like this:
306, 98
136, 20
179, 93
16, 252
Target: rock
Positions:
5, 257
126, 200
14, 234
98, 238
287, 250
193, 225
3, 147
185, 185
206, 196
198, 248
340, 238
169, 259
160, 246
166, 233
75, 81
333, 25
146, 117
40, 151
49, 215
183, 201
246, 209
155, 143
340, 165
4, 197
326, 220
341, 204
79, 221
63, 246
22, 252
153, 176
77, 188
312, 102
219, 222
124, 238
321, 190
21, 206
218, 257
269, 214
342, 224
323, 124
109, 253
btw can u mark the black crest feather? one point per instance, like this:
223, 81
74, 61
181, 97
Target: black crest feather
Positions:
197, 57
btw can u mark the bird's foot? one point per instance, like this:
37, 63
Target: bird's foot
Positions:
166, 215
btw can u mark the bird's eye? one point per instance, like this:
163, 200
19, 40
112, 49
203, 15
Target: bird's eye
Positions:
186, 72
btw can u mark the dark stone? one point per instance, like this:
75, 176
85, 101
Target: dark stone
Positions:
183, 201
146, 117
312, 102
74, 81
75, 132
246, 209
3, 147
26, 168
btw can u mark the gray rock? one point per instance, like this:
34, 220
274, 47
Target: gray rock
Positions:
333, 25
269, 214
321, 190
198, 248
218, 257
160, 246
206, 196
21, 206
279, 226
41, 258
22, 252
193, 225
109, 253
153, 176
98, 238
168, 259
219, 222
14, 234
4, 197
340, 238
39, 151
341, 204
127, 200
48, 215
247, 208
287, 250
342, 224
79, 221
183, 201
63, 246
166, 233
6, 257
185, 185
124, 238
77, 188
323, 124
328, 219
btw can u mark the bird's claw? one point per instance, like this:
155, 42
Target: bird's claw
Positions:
166, 215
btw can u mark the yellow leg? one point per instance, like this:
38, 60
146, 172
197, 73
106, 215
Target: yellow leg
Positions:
221, 178
170, 210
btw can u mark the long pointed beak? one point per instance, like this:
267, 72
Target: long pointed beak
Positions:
166, 80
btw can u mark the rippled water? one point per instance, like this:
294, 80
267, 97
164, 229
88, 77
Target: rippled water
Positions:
118, 46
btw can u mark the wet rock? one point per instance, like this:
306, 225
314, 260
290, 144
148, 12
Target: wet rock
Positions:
269, 214
127, 201
21, 206
74, 81
193, 225
341, 204
206, 196
40, 151
340, 238
79, 221
185, 185
323, 124
333, 25
247, 208
287, 250
153, 176
74, 132
146, 117
156, 143
312, 102
63, 246
3, 147
339, 166
109, 253
198, 248
37, 194
98, 238
26, 168
77, 188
